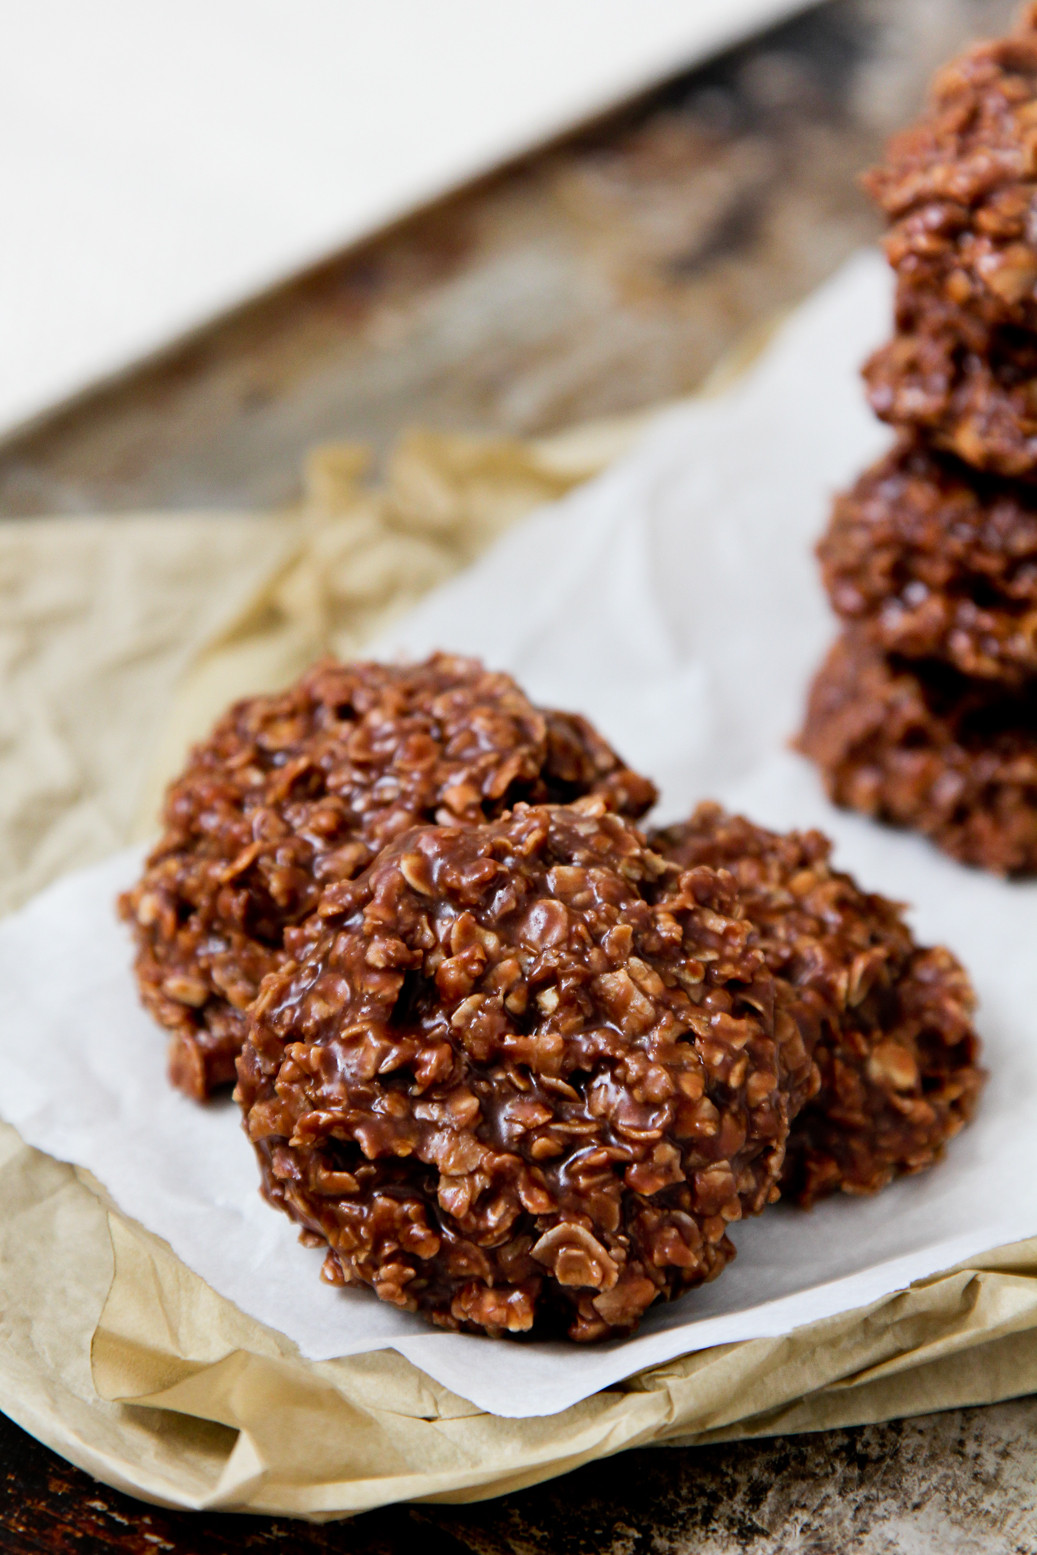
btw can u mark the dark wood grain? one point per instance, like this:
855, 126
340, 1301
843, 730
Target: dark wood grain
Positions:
598, 276
47, 1505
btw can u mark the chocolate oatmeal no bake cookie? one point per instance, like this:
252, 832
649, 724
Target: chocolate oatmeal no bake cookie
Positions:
969, 388
526, 1075
919, 745
897, 1053
936, 561
295, 790
958, 186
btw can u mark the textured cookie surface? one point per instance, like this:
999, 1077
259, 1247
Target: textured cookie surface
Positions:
919, 745
958, 186
526, 1076
968, 387
898, 1055
936, 561
296, 790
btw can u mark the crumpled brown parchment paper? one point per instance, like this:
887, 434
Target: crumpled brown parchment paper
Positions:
120, 639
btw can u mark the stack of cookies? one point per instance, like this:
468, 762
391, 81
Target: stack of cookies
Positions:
925, 712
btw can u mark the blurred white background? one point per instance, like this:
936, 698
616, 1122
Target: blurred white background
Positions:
161, 160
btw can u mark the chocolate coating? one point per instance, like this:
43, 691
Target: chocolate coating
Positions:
898, 1056
959, 188
525, 1077
967, 387
959, 185
918, 745
935, 561
295, 790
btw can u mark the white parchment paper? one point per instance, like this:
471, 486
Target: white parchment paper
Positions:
676, 602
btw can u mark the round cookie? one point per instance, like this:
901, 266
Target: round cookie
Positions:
938, 562
525, 1077
959, 185
897, 1054
967, 387
295, 790
921, 746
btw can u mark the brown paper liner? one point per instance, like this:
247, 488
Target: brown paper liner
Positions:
124, 637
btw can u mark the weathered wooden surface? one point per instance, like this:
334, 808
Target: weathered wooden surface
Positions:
598, 276
960, 1483
595, 277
